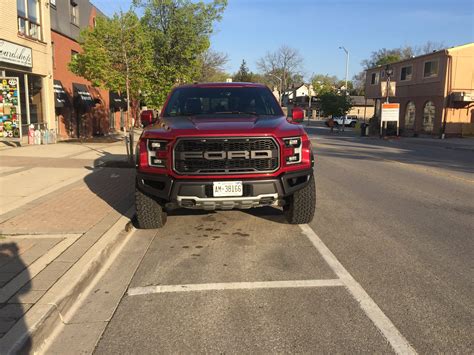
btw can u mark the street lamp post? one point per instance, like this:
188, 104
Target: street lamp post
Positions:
281, 84
388, 73
347, 74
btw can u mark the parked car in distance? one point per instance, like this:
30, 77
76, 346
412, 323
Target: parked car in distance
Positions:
349, 120
147, 117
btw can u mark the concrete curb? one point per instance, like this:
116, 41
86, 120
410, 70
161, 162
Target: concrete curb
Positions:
51, 310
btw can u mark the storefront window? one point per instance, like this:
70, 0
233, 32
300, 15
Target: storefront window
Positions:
31, 108
428, 116
35, 84
410, 115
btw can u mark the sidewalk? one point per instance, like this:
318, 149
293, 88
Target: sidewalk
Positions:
464, 143
61, 205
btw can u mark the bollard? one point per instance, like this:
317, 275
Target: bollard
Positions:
31, 134
37, 136
45, 136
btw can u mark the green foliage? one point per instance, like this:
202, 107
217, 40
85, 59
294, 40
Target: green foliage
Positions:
333, 104
114, 51
386, 56
324, 83
244, 74
180, 31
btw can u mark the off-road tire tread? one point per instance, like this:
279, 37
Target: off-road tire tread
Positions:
150, 213
301, 206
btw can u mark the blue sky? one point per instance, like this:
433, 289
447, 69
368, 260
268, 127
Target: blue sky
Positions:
317, 28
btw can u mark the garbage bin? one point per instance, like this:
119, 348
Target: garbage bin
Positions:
362, 129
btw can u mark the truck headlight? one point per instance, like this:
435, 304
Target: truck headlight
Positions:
157, 153
293, 150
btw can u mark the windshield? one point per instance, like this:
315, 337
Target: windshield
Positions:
195, 101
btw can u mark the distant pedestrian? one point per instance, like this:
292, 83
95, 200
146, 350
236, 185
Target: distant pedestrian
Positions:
331, 124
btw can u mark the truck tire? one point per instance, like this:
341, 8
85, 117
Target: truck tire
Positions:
150, 213
300, 207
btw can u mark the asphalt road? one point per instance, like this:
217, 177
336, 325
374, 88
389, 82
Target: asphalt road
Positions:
387, 264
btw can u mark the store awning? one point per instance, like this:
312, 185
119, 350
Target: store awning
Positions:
60, 96
117, 102
82, 98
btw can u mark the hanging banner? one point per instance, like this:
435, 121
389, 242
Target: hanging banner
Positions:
10, 109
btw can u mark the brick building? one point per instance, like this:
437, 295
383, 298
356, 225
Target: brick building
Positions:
81, 109
25, 54
435, 91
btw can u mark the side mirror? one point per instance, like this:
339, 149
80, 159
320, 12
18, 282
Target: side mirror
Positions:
297, 115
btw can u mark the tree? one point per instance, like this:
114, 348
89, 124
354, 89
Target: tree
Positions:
211, 66
180, 31
285, 63
117, 55
358, 81
244, 74
386, 56
324, 83
333, 104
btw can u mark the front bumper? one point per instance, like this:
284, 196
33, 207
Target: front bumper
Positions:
198, 193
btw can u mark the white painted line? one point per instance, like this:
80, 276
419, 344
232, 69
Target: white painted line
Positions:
398, 342
42, 236
135, 291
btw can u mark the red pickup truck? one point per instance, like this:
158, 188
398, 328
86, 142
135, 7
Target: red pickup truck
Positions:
223, 146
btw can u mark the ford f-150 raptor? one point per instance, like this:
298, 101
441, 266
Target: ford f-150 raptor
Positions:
223, 146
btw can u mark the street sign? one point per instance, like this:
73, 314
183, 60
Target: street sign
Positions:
390, 113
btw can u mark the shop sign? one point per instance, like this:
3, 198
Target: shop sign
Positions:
390, 112
10, 121
15, 54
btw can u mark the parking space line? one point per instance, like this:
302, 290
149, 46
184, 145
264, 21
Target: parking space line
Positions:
398, 342
135, 291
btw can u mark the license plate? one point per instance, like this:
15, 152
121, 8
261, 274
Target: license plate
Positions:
227, 188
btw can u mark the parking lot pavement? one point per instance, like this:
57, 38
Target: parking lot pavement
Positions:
235, 281
386, 266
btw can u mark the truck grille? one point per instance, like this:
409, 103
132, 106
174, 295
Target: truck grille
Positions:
189, 156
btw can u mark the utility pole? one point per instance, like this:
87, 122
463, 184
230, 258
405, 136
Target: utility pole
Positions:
347, 74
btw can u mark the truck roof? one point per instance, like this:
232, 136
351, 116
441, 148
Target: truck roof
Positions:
222, 84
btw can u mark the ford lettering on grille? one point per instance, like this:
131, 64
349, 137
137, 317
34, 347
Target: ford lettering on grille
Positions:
226, 155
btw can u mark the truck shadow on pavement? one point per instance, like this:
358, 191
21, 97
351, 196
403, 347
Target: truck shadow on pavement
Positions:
268, 213
112, 179
12, 310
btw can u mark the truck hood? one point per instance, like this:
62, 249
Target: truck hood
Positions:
172, 127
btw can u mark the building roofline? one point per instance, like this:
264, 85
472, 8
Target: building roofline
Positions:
462, 46
445, 51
